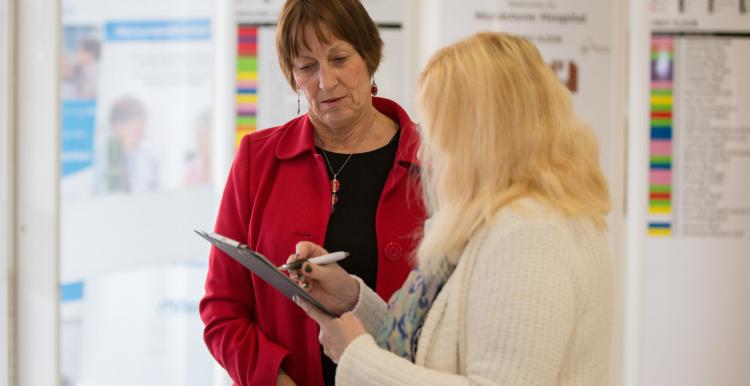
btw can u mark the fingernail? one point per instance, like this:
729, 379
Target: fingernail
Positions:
308, 268
294, 298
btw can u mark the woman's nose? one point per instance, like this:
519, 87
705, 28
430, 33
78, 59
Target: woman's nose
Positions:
327, 79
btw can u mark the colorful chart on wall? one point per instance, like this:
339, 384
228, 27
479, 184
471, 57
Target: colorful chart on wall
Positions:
263, 96
700, 119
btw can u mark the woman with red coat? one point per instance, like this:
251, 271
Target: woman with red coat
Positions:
343, 176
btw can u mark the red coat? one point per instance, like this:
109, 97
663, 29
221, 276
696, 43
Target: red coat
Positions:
284, 198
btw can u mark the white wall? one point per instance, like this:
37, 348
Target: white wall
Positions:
636, 187
5, 183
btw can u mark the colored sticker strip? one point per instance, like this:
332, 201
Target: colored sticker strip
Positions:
660, 162
246, 81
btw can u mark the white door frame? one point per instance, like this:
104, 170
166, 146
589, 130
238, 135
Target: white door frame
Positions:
6, 178
35, 306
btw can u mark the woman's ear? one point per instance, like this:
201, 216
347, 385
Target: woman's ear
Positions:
296, 84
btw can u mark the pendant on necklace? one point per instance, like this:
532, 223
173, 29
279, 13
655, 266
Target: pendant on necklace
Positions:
334, 198
335, 184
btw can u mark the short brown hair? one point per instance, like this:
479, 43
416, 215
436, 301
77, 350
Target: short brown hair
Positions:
346, 19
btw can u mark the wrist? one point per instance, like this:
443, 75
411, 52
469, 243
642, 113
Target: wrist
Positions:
354, 298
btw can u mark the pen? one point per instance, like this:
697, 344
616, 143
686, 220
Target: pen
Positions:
323, 259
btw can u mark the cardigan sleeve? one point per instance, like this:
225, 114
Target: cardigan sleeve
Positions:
227, 309
370, 308
520, 309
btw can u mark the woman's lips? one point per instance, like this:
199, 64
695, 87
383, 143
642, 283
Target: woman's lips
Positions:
332, 100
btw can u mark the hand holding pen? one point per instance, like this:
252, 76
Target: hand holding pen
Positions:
320, 260
325, 280
338, 291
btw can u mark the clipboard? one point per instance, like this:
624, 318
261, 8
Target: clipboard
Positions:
261, 267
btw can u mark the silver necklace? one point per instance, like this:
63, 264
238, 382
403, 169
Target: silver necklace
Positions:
335, 183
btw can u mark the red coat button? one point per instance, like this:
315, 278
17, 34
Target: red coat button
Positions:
393, 251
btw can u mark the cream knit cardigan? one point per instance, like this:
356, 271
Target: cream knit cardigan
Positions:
529, 303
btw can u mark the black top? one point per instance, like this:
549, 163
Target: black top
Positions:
351, 227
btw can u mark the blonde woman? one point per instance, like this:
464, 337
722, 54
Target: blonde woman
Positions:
513, 285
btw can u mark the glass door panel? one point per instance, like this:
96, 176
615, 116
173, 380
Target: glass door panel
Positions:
136, 89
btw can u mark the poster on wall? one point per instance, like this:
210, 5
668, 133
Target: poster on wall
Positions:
576, 39
136, 91
155, 106
136, 103
700, 114
263, 96
80, 52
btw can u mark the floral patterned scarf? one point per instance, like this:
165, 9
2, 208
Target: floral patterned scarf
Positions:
407, 310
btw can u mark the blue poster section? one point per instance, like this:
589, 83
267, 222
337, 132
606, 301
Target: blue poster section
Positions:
197, 29
77, 140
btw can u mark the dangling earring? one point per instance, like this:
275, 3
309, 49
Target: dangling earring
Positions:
374, 87
297, 102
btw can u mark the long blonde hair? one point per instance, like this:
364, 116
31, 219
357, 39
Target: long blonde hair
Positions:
498, 126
